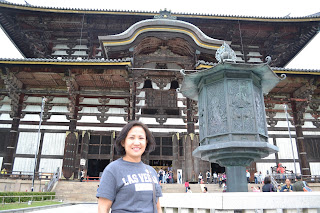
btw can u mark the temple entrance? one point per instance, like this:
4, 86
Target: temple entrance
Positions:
217, 168
96, 166
160, 164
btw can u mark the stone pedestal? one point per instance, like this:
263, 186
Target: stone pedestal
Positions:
232, 120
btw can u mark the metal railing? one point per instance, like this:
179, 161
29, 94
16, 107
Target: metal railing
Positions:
88, 179
26, 175
274, 182
280, 178
52, 182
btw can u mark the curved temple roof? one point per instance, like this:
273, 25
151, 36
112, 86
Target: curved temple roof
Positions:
161, 25
314, 17
51, 32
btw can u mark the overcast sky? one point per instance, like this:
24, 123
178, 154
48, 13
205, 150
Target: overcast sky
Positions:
308, 58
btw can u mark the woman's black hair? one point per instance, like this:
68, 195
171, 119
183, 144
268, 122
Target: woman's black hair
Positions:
267, 180
151, 144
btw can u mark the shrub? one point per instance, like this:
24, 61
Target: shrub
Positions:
24, 199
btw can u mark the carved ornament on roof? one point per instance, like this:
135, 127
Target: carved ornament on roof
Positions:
104, 101
225, 53
165, 14
163, 51
304, 92
161, 116
13, 86
103, 116
70, 117
314, 106
271, 114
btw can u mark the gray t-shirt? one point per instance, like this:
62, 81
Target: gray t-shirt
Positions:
128, 186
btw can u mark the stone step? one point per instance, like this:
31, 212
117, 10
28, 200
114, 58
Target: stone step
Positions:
86, 191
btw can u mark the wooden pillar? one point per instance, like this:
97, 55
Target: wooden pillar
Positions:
134, 96
298, 122
113, 143
276, 154
196, 161
192, 164
298, 109
190, 121
8, 159
13, 85
188, 163
85, 148
70, 163
175, 152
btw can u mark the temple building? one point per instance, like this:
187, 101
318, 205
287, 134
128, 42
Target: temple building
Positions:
99, 69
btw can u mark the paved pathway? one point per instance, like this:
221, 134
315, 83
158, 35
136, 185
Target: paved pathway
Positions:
86, 208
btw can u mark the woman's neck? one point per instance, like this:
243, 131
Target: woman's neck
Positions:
130, 159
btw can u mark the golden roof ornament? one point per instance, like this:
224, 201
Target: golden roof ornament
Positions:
165, 14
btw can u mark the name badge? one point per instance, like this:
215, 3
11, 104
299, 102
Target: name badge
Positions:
143, 187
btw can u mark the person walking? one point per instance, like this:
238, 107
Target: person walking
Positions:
200, 177
256, 176
248, 176
186, 184
208, 176
127, 184
220, 180
81, 175
215, 177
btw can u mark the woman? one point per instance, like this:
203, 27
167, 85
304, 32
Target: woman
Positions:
186, 184
268, 187
126, 184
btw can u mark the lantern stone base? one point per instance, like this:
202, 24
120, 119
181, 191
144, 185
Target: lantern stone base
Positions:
236, 179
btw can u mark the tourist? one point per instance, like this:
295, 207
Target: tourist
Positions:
224, 178
256, 189
161, 175
4, 171
128, 178
279, 188
171, 177
248, 176
81, 175
256, 176
168, 177
268, 187
200, 177
299, 185
205, 189
208, 176
220, 180
260, 177
189, 190
165, 177
287, 187
281, 170
186, 184
215, 177
179, 178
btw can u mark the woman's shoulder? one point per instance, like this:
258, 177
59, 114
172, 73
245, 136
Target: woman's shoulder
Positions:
114, 164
